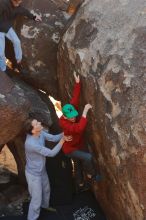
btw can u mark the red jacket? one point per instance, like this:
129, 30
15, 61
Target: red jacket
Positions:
75, 129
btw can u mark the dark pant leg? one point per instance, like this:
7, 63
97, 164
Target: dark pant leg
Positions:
86, 159
78, 171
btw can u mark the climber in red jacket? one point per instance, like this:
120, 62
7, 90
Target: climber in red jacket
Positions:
75, 127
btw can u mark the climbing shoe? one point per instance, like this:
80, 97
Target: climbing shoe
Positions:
96, 178
82, 187
19, 67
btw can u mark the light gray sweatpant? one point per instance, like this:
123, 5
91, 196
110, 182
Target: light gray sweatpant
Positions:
39, 189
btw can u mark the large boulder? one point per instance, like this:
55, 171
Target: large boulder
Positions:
40, 43
38, 108
106, 45
14, 108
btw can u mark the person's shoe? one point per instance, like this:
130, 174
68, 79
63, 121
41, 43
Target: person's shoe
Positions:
21, 70
50, 209
83, 188
20, 66
96, 178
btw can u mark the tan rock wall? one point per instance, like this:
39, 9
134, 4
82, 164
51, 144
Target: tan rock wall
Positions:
7, 160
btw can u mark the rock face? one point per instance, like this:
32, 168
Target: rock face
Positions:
106, 45
38, 108
14, 109
40, 42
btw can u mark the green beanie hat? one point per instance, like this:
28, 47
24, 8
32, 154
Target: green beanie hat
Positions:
69, 111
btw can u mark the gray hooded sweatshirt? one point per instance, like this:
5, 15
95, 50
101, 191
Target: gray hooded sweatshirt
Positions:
36, 152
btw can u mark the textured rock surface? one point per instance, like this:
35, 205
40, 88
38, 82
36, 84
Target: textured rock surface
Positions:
106, 45
14, 109
38, 108
40, 42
